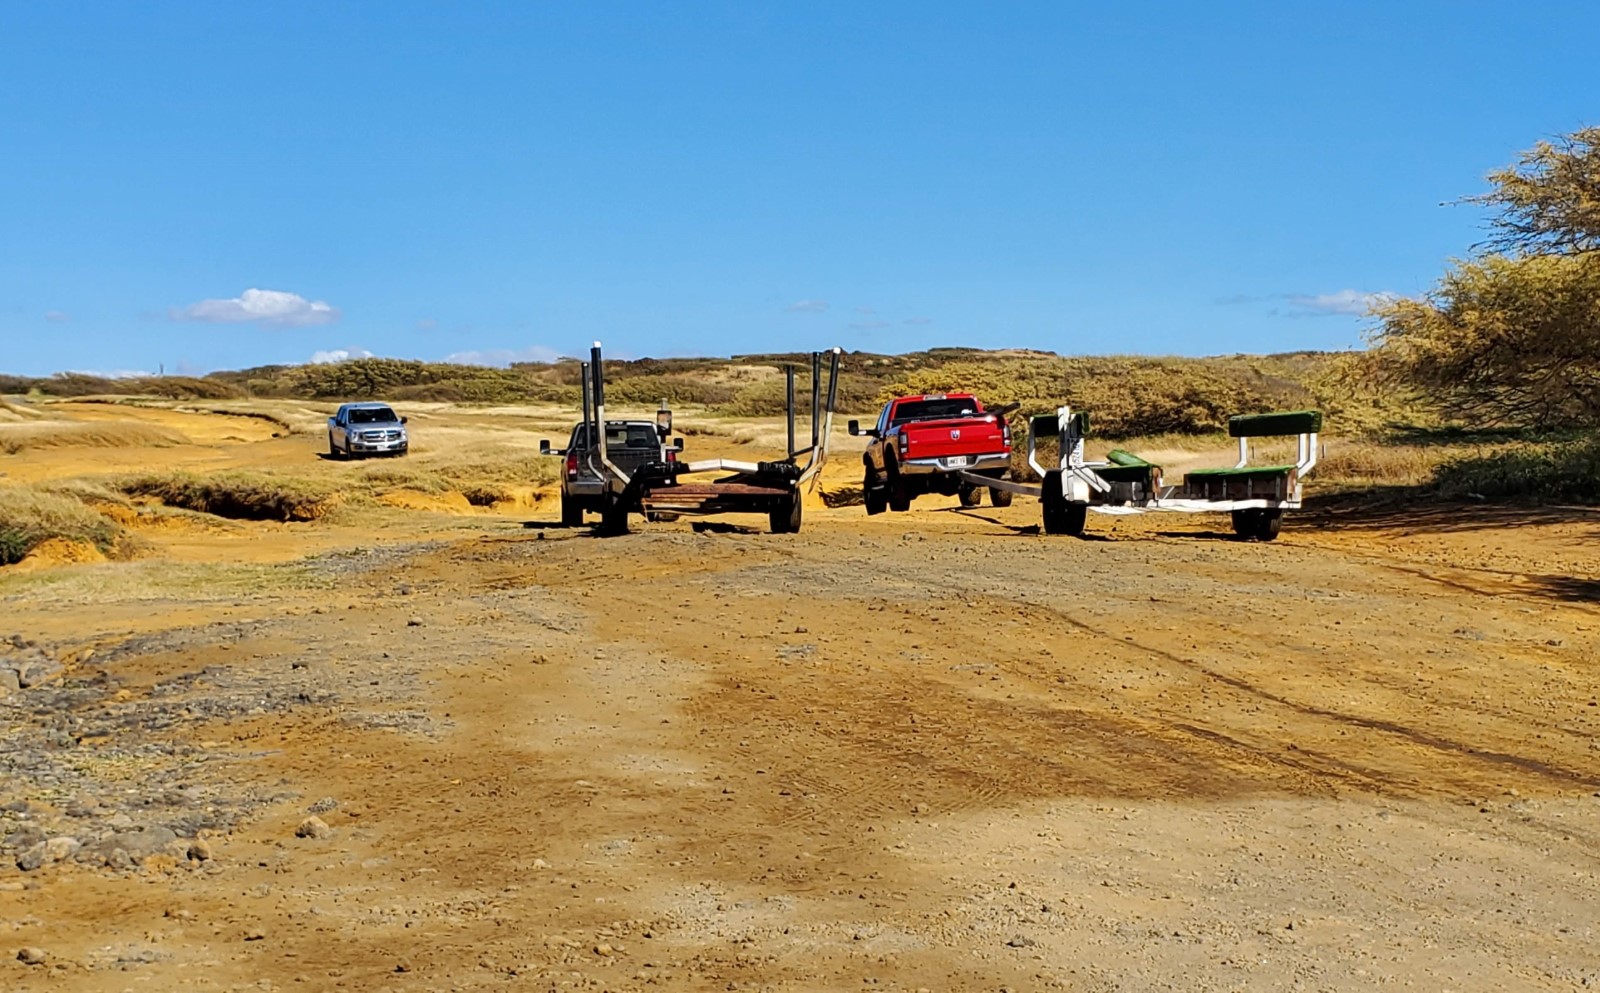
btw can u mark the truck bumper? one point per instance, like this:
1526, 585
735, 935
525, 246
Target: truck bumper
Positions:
956, 463
378, 446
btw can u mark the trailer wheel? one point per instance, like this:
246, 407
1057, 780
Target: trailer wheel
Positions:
613, 517
571, 512
999, 498
1269, 523
873, 494
1258, 524
970, 495
785, 518
1060, 516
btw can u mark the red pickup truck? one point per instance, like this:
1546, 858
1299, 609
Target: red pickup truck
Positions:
921, 444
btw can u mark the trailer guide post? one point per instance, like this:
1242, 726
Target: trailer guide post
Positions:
660, 487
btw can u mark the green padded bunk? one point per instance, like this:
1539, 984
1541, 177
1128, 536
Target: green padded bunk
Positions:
1279, 423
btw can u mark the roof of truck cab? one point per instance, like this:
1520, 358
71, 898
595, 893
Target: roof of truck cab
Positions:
938, 396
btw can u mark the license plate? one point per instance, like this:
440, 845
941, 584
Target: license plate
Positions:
956, 461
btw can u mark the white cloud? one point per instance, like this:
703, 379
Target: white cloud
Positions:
57, 316
504, 356
112, 373
807, 307
919, 320
274, 307
1350, 302
338, 355
427, 324
868, 325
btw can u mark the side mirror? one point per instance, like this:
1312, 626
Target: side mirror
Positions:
404, 420
677, 444
544, 446
854, 428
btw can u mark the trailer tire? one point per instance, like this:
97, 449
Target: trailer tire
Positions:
872, 495
1269, 523
970, 495
571, 512
785, 518
613, 517
1258, 524
999, 498
1060, 516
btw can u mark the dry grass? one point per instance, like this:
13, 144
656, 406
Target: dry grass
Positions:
18, 438
30, 516
1353, 465
241, 495
15, 413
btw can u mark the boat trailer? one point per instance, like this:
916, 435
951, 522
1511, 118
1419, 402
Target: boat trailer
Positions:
1255, 495
662, 489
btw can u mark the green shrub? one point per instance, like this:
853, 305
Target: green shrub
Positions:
1560, 470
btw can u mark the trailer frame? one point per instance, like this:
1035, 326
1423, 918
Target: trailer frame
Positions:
1255, 496
658, 489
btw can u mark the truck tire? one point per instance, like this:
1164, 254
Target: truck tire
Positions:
999, 498
970, 495
872, 494
333, 451
785, 518
899, 495
571, 512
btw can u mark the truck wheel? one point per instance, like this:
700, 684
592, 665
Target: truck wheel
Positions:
571, 512
999, 498
785, 518
872, 494
899, 494
613, 517
333, 451
970, 495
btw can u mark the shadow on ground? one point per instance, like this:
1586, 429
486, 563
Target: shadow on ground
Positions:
1401, 509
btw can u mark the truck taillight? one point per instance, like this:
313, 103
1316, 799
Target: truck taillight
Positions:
572, 466
902, 442
672, 456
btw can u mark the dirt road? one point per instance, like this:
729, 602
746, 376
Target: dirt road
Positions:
929, 751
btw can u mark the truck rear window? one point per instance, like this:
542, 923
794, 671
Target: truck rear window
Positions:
621, 436
928, 410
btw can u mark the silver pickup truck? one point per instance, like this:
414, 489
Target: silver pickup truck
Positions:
367, 429
630, 444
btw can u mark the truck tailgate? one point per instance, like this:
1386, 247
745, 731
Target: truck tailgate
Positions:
964, 436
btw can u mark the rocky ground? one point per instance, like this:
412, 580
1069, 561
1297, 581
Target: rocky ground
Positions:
929, 751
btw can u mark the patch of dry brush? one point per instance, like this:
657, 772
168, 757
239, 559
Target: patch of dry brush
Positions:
22, 437
241, 495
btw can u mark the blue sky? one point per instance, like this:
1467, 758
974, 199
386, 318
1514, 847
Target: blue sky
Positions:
498, 180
